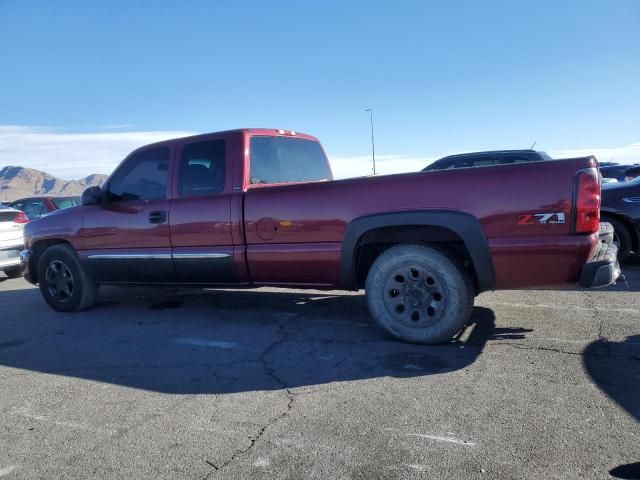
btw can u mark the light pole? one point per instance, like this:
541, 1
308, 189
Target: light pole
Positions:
373, 146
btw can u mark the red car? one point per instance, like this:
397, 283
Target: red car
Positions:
36, 207
255, 207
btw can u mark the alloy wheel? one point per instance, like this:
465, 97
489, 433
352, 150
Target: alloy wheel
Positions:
414, 297
59, 280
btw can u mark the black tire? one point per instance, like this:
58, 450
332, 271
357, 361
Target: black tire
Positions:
621, 237
419, 294
64, 283
13, 272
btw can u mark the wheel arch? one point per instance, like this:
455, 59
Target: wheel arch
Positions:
627, 222
444, 226
37, 249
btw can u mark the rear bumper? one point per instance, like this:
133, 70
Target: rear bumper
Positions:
603, 268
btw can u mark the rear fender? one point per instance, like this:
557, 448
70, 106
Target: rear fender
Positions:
466, 226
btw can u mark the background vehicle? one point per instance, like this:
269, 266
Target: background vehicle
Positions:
484, 159
35, 207
11, 240
621, 208
632, 172
258, 207
617, 171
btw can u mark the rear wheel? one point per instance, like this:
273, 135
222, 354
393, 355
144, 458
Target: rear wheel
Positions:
418, 294
622, 238
13, 272
63, 282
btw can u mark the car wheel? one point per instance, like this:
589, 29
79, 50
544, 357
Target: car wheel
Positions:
622, 239
64, 283
13, 272
418, 294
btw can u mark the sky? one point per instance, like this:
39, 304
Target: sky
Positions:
83, 83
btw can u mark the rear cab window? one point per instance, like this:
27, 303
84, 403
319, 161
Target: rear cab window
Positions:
277, 160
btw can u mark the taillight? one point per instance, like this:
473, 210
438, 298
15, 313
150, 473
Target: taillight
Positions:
21, 218
587, 203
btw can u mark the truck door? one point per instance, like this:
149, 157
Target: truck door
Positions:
126, 237
200, 219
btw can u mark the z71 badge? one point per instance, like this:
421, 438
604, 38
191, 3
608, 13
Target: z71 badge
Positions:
541, 218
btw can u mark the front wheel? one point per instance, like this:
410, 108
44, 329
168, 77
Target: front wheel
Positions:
418, 294
63, 282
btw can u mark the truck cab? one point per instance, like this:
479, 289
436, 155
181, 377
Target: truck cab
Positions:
173, 211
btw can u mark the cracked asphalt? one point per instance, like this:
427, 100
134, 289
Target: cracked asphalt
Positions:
301, 384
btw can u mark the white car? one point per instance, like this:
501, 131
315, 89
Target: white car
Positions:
11, 240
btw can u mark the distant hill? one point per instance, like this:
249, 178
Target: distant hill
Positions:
19, 182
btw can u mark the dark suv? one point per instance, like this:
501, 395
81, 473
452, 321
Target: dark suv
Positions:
621, 208
483, 159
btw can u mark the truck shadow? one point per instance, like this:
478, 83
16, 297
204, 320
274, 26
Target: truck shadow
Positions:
223, 341
615, 368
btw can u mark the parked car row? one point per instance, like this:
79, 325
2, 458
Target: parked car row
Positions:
12, 223
619, 173
36, 207
13, 216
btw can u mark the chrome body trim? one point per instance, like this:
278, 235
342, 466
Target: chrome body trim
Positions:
130, 256
156, 256
201, 256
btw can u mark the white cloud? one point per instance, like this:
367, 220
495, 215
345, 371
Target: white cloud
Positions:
345, 167
623, 155
72, 155
77, 154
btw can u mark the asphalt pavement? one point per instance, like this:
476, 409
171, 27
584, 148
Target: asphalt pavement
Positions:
301, 384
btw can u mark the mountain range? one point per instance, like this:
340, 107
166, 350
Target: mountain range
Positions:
20, 182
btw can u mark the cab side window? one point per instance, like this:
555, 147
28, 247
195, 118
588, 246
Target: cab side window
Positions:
143, 176
202, 168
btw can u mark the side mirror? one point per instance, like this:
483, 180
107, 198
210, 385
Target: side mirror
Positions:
92, 196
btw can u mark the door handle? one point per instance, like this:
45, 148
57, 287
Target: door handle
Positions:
158, 217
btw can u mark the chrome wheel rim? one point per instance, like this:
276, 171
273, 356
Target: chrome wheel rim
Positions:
59, 280
415, 297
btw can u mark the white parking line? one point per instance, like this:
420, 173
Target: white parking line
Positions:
442, 439
41, 418
437, 438
570, 307
202, 342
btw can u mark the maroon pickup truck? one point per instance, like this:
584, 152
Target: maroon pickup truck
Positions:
257, 207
